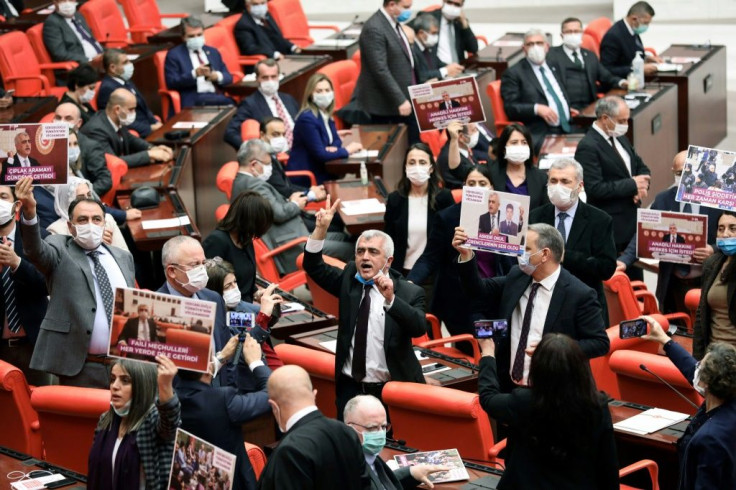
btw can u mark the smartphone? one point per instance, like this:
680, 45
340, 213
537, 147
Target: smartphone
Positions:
240, 320
491, 329
632, 328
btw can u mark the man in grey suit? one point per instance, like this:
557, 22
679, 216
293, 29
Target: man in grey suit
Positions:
255, 170
67, 36
82, 274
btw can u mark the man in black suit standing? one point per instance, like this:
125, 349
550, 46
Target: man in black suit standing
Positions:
537, 297
489, 222
621, 43
11, 8
67, 36
380, 312
455, 35
316, 452
579, 69
428, 65
142, 327
533, 92
448, 103
257, 33
590, 252
21, 159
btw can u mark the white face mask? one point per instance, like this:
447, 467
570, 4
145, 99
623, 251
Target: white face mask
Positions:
267, 172
89, 236
195, 43
231, 297
7, 212
418, 174
270, 87
197, 278
87, 96
562, 196
259, 11
128, 119
432, 40
122, 412
696, 381
128, 70
473, 140
536, 54
525, 265
517, 154
67, 9
324, 99
451, 12
618, 130
73, 154
279, 144
572, 41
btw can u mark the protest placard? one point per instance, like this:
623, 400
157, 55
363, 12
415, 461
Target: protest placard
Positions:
199, 464
34, 150
669, 236
436, 104
709, 178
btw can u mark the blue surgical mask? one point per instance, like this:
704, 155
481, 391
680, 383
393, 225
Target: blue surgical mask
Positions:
373, 442
369, 282
727, 245
524, 264
404, 15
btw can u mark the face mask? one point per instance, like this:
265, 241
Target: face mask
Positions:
121, 412
73, 154
279, 144
87, 96
195, 43
678, 178
128, 69
259, 11
270, 87
561, 196
404, 15
618, 130
696, 381
524, 264
197, 278
451, 12
640, 29
324, 99
231, 297
89, 236
267, 172
432, 40
517, 154
473, 140
7, 212
418, 174
128, 119
572, 41
67, 9
536, 54
373, 442
727, 245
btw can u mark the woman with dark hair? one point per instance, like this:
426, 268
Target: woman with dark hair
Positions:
560, 429
411, 208
81, 90
715, 319
250, 216
134, 440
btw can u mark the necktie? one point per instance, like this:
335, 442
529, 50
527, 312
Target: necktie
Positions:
576, 60
382, 476
361, 334
406, 52
11, 313
428, 57
517, 372
618, 154
561, 226
564, 122
281, 111
103, 282
85, 35
200, 58
687, 208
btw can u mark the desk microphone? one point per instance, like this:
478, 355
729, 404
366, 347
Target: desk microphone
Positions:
647, 370
498, 54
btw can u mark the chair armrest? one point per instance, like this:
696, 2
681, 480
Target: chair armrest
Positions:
293, 280
61, 65
636, 285
179, 15
282, 248
681, 316
647, 464
495, 449
650, 50
109, 42
323, 26
35, 426
303, 173
250, 60
650, 302
465, 337
145, 29
175, 98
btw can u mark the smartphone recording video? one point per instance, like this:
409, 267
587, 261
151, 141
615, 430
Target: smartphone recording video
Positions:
632, 328
491, 329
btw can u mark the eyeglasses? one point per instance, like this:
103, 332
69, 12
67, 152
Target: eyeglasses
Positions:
188, 266
373, 428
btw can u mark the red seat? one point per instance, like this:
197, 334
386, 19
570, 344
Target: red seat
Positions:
106, 23
35, 36
68, 416
321, 368
250, 129
356, 58
321, 299
591, 44
343, 75
692, 301
438, 344
21, 70
93, 102
597, 28
144, 18
289, 15
199, 345
500, 119
225, 42
457, 195
20, 421
225, 177
435, 139
257, 458
170, 99
48, 118
117, 168
645, 464
266, 264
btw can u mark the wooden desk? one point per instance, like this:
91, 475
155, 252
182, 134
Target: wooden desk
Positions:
338, 53
172, 35
351, 190
392, 143
23, 22
652, 131
502, 53
297, 69
701, 94
28, 109
15, 461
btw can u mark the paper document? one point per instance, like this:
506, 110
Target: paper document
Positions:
668, 67
39, 482
133, 57
363, 206
508, 43
335, 43
547, 160
650, 421
330, 345
365, 154
355, 31
190, 125
154, 224
289, 307
445, 457
684, 59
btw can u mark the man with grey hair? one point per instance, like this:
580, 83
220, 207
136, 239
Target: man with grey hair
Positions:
255, 169
380, 312
21, 159
616, 178
590, 252
536, 298
533, 92
427, 65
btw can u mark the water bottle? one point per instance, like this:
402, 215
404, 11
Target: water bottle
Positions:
363, 173
637, 72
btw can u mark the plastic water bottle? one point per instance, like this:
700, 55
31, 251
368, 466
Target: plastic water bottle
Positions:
363, 173
637, 72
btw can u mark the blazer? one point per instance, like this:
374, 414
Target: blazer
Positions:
255, 107
404, 320
178, 72
608, 184
536, 184
510, 228
573, 310
400, 479
310, 140
386, 72
668, 237
255, 39
520, 90
130, 330
396, 222
317, 453
5, 11
144, 118
484, 222
60, 39
592, 467
594, 70
66, 329
426, 63
618, 49
281, 182
701, 329
14, 164
219, 244
217, 415
464, 38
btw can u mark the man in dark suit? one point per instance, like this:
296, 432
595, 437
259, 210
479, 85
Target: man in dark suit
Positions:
10, 8
428, 65
672, 236
142, 327
448, 103
258, 33
82, 274
108, 132
217, 414
21, 159
316, 452
195, 70
118, 73
508, 226
581, 73
533, 92
24, 295
265, 102
621, 43
380, 312
489, 222
537, 297
455, 35
590, 252
67, 36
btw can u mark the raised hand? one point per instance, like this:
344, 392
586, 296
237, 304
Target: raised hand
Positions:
323, 218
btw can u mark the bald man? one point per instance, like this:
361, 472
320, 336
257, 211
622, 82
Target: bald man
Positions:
316, 452
68, 113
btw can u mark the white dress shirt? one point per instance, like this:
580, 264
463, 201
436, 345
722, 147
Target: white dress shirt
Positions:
619, 147
417, 229
89, 50
555, 86
446, 50
24, 161
298, 416
203, 85
274, 112
568, 220
143, 330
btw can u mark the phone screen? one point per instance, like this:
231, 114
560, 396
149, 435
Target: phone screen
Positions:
240, 321
491, 329
632, 328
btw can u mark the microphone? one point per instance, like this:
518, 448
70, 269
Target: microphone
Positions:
647, 370
498, 54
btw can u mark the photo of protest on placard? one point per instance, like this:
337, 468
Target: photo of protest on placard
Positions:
34, 150
197, 464
670, 237
146, 324
444, 457
709, 178
436, 104
494, 221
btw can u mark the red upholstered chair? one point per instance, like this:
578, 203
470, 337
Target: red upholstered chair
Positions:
170, 99
457, 195
645, 464
225, 177
343, 75
289, 15
68, 416
435, 139
266, 264
47, 118
597, 28
250, 129
21, 70
35, 36
224, 41
144, 18
199, 344
438, 342
21, 429
321, 368
500, 119
321, 299
107, 25
93, 102
229, 24
692, 301
117, 168
257, 458
356, 58
591, 44
455, 417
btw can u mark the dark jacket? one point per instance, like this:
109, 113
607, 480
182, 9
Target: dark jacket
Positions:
130, 330
254, 39
464, 37
255, 107
426, 63
60, 39
702, 328
178, 71
598, 77
618, 49
310, 140
144, 118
